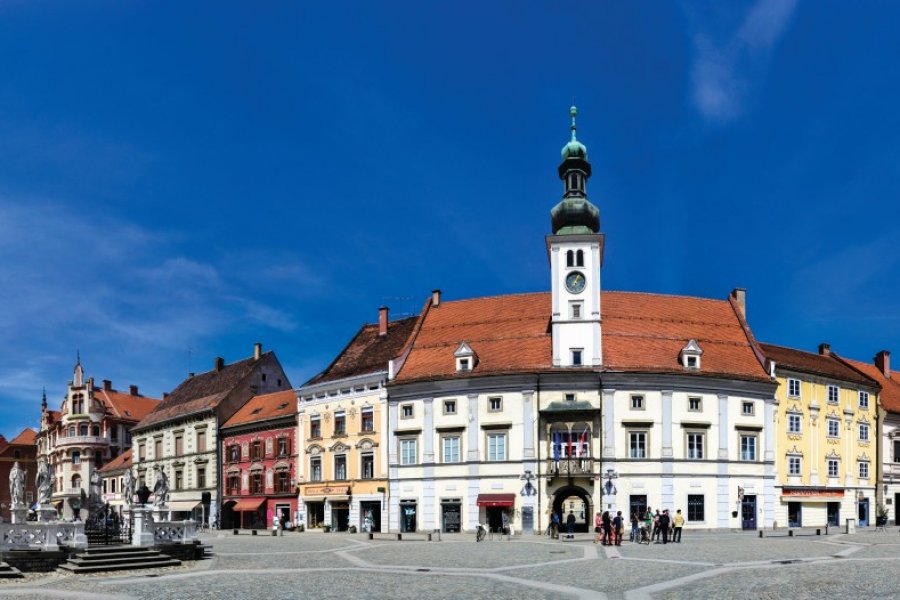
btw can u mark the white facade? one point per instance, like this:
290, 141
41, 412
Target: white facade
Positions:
576, 303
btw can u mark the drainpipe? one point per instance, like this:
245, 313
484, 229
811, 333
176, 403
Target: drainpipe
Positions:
539, 444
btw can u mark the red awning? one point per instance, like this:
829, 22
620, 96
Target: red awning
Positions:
251, 505
496, 499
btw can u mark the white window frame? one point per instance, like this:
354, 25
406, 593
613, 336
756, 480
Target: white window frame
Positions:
863, 399
691, 446
833, 424
742, 453
445, 439
795, 423
863, 466
495, 399
836, 471
794, 466
637, 402
834, 394
691, 400
576, 310
863, 432
792, 384
577, 357
638, 443
337, 475
897, 451
745, 404
492, 446
407, 457
407, 408
312, 469
449, 407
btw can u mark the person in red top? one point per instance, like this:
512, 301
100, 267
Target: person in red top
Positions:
598, 528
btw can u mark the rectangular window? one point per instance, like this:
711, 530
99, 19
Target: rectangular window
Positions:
794, 388
234, 485
368, 420
575, 310
496, 446
201, 478
315, 468
142, 452
833, 467
463, 364
637, 444
406, 411
495, 403
863, 432
315, 427
864, 399
695, 510
256, 482
449, 407
748, 447
269, 446
368, 466
283, 482
863, 470
201, 441
234, 453
408, 454
695, 444
284, 446
114, 433
179, 445
637, 402
340, 466
747, 408
834, 394
340, 423
834, 428
179, 480
695, 404
793, 465
76, 458
897, 451
256, 450
157, 449
793, 423
576, 357
451, 452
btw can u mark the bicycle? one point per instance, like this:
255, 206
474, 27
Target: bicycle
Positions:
480, 532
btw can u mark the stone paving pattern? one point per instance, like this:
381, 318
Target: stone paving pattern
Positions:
343, 566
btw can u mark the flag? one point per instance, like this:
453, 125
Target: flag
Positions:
584, 442
556, 447
571, 449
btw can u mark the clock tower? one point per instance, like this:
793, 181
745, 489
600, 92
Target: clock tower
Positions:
575, 249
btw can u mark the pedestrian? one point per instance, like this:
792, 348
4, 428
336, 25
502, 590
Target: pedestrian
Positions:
664, 522
679, 523
607, 528
570, 523
619, 527
655, 534
276, 524
635, 524
554, 525
598, 528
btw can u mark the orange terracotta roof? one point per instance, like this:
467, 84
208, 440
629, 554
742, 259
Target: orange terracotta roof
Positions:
119, 463
265, 407
890, 388
640, 333
814, 363
26, 438
125, 406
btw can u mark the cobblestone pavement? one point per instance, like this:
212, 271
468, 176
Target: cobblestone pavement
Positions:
339, 566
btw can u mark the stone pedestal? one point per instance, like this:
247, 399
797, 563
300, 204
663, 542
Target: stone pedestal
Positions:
142, 533
46, 513
18, 514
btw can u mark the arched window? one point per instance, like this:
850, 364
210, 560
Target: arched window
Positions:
76, 458
71, 431
570, 259
76, 481
579, 258
83, 430
95, 430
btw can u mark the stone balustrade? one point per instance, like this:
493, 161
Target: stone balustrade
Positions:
48, 535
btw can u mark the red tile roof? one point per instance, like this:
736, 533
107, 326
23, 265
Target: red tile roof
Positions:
640, 333
125, 406
265, 407
826, 365
890, 387
26, 438
119, 463
368, 352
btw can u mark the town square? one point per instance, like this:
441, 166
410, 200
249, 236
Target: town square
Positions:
418, 300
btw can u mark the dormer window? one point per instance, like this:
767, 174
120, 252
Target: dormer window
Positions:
690, 356
465, 358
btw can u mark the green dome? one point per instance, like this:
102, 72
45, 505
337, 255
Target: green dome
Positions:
574, 149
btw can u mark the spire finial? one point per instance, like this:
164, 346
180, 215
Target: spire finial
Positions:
573, 110
44, 398
78, 352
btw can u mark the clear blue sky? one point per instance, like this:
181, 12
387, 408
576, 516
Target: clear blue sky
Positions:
179, 176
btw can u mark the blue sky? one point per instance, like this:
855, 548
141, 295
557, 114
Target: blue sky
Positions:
181, 180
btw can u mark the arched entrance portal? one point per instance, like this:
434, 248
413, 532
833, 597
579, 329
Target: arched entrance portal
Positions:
573, 499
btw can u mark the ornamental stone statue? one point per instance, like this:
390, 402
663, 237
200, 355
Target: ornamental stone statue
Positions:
161, 488
43, 481
128, 488
17, 485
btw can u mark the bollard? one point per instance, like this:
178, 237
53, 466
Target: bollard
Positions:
252, 532
818, 531
235, 532
429, 537
399, 537
371, 536
760, 533
790, 533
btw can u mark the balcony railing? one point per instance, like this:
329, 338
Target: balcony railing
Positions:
82, 440
576, 467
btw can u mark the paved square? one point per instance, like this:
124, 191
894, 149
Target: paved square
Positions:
342, 566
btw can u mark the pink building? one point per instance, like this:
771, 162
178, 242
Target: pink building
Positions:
258, 457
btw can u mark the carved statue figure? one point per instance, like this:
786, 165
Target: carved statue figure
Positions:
128, 488
17, 485
161, 488
94, 490
44, 483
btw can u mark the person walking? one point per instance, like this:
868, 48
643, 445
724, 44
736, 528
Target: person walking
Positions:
554, 525
598, 528
679, 523
619, 527
635, 524
607, 528
655, 534
570, 523
664, 522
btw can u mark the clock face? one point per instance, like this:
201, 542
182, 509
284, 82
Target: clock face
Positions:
575, 282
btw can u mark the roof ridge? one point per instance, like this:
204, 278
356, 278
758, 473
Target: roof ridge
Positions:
685, 296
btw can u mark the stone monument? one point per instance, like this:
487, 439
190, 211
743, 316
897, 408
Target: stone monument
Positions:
43, 481
17, 509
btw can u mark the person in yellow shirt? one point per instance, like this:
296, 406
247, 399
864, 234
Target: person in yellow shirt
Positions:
679, 523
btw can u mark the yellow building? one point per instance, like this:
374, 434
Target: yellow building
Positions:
826, 430
343, 429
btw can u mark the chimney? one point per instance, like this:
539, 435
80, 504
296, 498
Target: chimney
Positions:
883, 362
825, 349
220, 362
132, 389
382, 320
435, 298
740, 298
107, 385
257, 351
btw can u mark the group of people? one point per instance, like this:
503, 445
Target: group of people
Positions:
609, 530
657, 526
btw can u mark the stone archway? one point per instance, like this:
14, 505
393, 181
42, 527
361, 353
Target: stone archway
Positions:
564, 502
